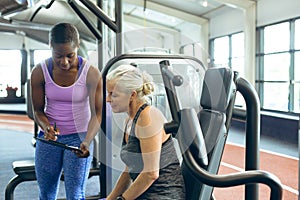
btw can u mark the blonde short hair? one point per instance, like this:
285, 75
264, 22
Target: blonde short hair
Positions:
129, 78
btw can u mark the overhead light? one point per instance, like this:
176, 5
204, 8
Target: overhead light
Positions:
204, 3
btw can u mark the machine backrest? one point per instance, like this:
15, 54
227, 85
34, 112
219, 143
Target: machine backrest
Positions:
210, 125
218, 90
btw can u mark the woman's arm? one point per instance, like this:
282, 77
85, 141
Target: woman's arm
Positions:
151, 155
37, 88
150, 132
94, 84
122, 184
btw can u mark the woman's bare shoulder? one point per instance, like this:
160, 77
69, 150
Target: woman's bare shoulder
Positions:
150, 122
94, 73
37, 72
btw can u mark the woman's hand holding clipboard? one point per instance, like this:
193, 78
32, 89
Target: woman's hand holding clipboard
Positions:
51, 132
50, 137
62, 145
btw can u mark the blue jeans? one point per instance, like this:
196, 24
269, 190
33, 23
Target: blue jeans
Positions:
51, 160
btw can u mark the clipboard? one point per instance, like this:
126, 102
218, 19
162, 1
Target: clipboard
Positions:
59, 144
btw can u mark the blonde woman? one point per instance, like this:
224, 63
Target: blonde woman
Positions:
152, 167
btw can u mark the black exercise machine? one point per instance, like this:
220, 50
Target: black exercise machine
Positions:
202, 136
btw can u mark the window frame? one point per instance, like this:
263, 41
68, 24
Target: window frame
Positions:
260, 57
260, 64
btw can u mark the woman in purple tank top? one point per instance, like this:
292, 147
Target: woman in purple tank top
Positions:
66, 94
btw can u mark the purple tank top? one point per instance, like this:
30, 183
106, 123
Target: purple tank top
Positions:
68, 106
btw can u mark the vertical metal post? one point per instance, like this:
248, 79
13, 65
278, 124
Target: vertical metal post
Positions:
100, 40
118, 17
252, 133
173, 101
101, 134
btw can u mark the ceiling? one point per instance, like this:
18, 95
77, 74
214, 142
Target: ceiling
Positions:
35, 17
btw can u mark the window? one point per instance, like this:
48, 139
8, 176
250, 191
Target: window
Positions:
297, 68
276, 67
297, 82
279, 56
278, 63
277, 38
228, 51
297, 34
221, 51
10, 71
40, 55
276, 96
238, 49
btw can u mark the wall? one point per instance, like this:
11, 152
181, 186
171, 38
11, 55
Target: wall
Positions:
226, 24
277, 127
270, 11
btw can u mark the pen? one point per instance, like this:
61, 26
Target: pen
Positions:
55, 129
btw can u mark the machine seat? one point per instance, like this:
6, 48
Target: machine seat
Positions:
23, 167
